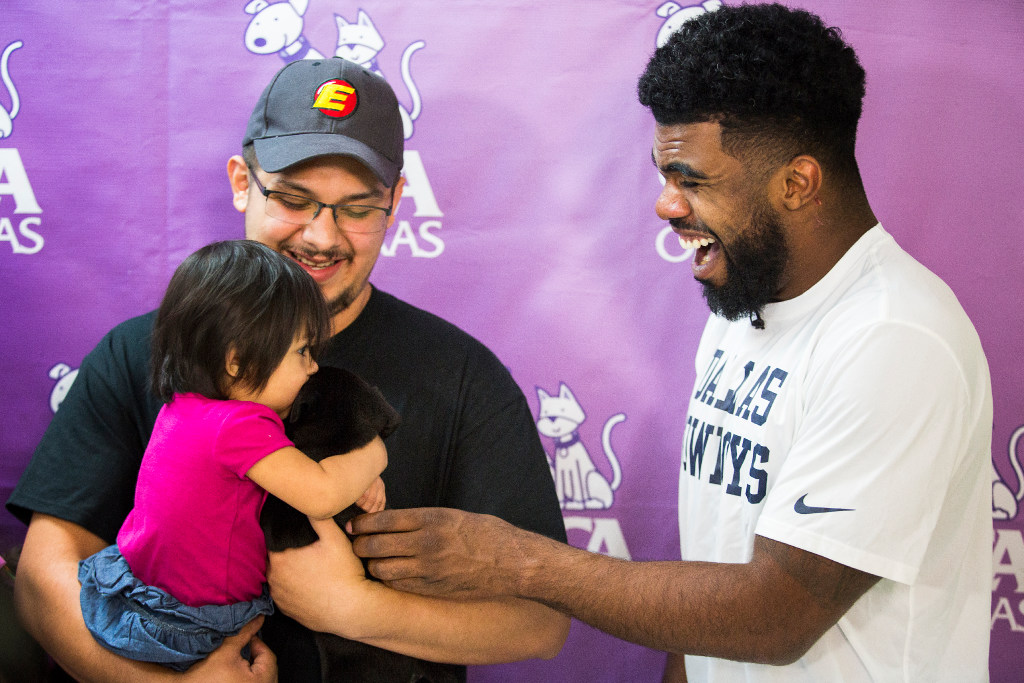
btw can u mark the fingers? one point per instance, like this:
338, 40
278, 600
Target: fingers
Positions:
399, 544
264, 661
381, 496
247, 633
227, 664
373, 499
326, 529
391, 521
394, 569
402, 533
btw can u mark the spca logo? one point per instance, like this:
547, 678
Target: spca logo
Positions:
675, 15
16, 227
279, 28
1006, 503
1008, 549
65, 377
7, 116
579, 484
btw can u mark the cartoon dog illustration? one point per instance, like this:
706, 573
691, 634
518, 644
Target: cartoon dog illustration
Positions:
277, 27
675, 14
578, 482
361, 42
1005, 503
7, 117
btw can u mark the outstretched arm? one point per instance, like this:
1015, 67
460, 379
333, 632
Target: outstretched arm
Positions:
46, 592
321, 489
770, 610
323, 587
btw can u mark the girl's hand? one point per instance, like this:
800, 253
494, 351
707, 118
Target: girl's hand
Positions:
373, 498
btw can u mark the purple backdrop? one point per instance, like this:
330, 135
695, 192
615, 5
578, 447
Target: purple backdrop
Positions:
528, 217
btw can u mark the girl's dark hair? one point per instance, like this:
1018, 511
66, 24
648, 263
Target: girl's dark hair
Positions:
239, 295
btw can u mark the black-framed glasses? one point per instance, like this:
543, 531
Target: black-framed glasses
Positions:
300, 210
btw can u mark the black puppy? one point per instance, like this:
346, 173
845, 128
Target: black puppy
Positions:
335, 412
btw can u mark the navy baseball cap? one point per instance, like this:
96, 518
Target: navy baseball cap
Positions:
315, 107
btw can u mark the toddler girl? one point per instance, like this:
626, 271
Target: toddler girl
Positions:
234, 340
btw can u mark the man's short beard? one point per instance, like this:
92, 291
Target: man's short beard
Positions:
342, 301
756, 260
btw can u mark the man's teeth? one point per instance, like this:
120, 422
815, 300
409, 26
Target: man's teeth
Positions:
695, 243
312, 264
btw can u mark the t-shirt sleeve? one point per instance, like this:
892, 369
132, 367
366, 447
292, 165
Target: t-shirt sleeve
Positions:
500, 467
85, 467
248, 433
874, 453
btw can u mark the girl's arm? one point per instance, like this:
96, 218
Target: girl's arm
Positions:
320, 489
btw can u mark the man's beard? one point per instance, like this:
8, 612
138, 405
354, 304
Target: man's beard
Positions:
343, 300
755, 263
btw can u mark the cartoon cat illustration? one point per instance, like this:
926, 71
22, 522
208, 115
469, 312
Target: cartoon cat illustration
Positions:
361, 42
578, 482
1005, 503
7, 117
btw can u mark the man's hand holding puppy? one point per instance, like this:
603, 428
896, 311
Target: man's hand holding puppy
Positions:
323, 586
319, 584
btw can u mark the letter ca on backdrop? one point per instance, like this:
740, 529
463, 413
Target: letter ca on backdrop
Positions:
19, 211
1008, 549
279, 28
675, 15
580, 485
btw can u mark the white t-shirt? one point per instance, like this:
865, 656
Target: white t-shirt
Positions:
856, 425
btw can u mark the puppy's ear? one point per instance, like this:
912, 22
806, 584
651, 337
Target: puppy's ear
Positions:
303, 404
389, 417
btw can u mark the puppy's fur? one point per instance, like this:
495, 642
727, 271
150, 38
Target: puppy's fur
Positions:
335, 412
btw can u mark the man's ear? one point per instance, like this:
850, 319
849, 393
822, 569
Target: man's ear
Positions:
399, 186
802, 178
238, 178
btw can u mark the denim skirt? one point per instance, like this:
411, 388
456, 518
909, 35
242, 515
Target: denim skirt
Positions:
148, 624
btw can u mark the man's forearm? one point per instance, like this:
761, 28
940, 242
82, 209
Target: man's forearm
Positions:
769, 610
753, 612
473, 632
675, 669
323, 586
671, 606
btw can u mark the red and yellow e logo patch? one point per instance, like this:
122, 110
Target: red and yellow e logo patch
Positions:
335, 98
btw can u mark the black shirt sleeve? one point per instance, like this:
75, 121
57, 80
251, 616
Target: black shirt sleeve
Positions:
84, 468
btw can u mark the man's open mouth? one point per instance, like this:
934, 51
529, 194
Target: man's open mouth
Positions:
702, 245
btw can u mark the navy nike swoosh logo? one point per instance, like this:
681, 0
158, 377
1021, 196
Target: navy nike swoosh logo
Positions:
803, 508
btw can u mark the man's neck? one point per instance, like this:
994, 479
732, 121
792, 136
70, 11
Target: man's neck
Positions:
348, 315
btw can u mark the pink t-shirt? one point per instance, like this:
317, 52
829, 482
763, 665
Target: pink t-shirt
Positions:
194, 531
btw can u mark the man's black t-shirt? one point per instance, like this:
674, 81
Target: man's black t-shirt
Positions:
467, 439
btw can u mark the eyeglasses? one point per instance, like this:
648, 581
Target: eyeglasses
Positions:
299, 210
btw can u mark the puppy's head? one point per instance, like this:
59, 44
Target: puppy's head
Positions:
337, 411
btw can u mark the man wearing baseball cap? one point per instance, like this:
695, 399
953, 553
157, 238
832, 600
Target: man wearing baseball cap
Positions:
318, 180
